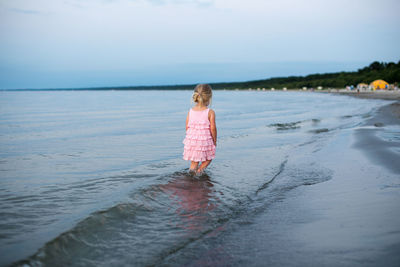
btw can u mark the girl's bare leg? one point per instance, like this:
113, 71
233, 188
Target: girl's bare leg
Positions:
203, 166
193, 166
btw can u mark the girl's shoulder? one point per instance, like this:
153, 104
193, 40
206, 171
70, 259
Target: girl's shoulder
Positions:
199, 109
211, 113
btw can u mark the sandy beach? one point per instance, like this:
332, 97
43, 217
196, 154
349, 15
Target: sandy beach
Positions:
377, 149
383, 94
389, 114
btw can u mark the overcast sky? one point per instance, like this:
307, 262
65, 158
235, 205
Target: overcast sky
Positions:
90, 43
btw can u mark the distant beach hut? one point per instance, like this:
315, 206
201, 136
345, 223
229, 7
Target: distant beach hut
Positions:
362, 86
272, 89
284, 88
304, 88
319, 87
379, 84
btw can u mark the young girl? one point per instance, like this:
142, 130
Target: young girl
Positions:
201, 132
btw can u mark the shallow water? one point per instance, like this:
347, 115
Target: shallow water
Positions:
96, 177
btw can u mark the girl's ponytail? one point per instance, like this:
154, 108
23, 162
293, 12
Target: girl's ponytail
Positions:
202, 94
197, 97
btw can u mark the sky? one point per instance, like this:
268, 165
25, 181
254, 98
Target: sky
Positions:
106, 43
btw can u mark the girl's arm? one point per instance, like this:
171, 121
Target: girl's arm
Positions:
213, 127
187, 120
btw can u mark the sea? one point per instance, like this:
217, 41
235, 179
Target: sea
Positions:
96, 178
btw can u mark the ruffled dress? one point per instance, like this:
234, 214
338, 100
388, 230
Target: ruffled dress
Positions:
199, 145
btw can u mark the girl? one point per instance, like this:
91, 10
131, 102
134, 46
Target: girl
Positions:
201, 132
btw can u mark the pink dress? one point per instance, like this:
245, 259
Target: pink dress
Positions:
199, 145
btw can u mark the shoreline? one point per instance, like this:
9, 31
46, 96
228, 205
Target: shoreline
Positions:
377, 149
383, 95
389, 113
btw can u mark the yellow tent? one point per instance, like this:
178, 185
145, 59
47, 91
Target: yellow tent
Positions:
379, 84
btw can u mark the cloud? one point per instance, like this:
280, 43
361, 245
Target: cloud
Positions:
25, 11
84, 3
200, 3
155, 2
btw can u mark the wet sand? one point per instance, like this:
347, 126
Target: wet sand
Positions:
377, 149
386, 95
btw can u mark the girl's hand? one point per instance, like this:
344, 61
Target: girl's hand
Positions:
213, 127
187, 120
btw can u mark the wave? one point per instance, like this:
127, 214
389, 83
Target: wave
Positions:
318, 131
281, 168
163, 219
286, 126
294, 125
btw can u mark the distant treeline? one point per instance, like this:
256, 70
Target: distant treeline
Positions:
390, 72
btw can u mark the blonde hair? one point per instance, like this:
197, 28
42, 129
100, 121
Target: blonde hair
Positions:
202, 94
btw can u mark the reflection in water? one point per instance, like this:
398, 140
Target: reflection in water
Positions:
195, 198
